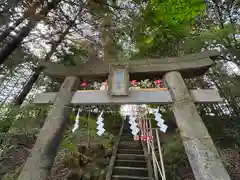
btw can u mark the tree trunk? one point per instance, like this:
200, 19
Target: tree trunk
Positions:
13, 44
27, 88
31, 10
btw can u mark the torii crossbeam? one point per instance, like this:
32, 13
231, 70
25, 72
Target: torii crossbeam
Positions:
189, 65
201, 151
136, 96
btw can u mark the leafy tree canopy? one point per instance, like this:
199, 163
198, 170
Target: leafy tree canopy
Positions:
163, 23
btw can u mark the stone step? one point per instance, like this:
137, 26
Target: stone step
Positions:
130, 171
127, 138
130, 151
129, 145
131, 156
130, 163
127, 134
122, 177
127, 130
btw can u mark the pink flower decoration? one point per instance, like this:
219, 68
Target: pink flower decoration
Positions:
84, 84
157, 82
143, 138
149, 138
136, 138
105, 85
133, 82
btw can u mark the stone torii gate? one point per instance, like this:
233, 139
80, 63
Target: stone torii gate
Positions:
201, 151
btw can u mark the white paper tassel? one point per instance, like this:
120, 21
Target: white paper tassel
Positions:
76, 125
100, 128
132, 122
160, 122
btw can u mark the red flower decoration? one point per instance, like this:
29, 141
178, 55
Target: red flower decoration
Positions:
149, 138
105, 84
84, 84
133, 82
143, 138
136, 138
157, 82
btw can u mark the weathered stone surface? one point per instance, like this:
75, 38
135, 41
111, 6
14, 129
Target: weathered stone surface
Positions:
141, 96
136, 96
201, 151
206, 96
38, 165
191, 64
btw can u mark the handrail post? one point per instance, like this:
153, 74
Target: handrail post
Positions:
160, 153
147, 134
148, 143
154, 166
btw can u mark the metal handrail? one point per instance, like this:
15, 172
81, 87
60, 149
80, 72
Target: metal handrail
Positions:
158, 167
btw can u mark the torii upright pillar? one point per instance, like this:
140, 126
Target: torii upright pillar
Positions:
201, 151
39, 163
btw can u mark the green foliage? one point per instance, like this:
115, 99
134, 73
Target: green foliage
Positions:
112, 122
75, 54
12, 175
26, 119
211, 37
66, 143
71, 140
228, 129
174, 12
21, 118
174, 156
173, 150
88, 129
164, 24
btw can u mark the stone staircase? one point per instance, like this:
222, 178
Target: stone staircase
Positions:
130, 162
